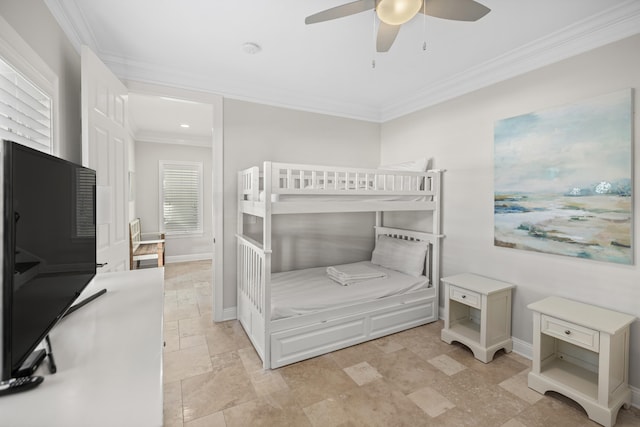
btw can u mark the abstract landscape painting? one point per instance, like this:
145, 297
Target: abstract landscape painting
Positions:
563, 180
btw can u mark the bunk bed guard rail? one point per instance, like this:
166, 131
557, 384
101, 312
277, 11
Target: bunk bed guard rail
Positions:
313, 179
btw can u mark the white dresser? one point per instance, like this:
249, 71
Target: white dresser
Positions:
477, 314
109, 358
582, 352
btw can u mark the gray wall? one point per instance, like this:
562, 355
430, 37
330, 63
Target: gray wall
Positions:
254, 133
35, 24
147, 157
459, 136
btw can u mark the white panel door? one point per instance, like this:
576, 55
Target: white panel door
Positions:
104, 103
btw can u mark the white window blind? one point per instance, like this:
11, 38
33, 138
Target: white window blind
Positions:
181, 197
25, 110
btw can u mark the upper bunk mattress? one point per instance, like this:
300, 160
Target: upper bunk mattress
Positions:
306, 291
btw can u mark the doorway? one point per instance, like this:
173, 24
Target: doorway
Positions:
156, 115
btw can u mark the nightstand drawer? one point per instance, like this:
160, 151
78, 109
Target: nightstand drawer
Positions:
465, 296
570, 332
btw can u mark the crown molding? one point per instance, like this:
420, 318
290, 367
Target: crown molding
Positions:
73, 23
128, 69
175, 139
612, 25
616, 23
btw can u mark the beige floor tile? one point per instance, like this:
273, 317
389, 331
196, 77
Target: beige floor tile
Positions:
355, 354
489, 403
192, 341
266, 382
172, 404
405, 370
213, 420
186, 363
447, 365
208, 393
250, 359
316, 379
556, 410
363, 373
375, 404
198, 325
430, 401
237, 391
171, 340
513, 423
518, 385
275, 409
388, 344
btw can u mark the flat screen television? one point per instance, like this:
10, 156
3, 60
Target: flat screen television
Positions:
48, 246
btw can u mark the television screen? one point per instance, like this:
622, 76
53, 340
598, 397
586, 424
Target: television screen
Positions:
49, 246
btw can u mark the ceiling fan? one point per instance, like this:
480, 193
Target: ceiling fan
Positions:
394, 13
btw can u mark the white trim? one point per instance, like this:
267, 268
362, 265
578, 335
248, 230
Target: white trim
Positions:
218, 177
522, 348
187, 258
176, 139
22, 57
616, 23
635, 397
73, 23
230, 313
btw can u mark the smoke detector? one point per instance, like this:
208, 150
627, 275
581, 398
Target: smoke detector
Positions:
251, 48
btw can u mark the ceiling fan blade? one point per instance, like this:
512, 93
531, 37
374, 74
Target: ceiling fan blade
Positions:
341, 11
456, 10
386, 36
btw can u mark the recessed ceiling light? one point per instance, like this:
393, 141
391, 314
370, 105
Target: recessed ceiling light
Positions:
251, 48
184, 125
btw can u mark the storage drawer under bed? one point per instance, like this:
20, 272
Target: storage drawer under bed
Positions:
296, 344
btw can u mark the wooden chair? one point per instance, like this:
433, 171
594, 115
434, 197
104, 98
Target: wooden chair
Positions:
140, 250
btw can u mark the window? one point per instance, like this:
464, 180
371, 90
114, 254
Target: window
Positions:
181, 197
28, 94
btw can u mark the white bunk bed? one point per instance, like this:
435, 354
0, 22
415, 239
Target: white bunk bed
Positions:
283, 335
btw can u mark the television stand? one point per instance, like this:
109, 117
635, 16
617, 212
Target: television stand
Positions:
109, 359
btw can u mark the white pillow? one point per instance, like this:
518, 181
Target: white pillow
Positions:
418, 165
406, 256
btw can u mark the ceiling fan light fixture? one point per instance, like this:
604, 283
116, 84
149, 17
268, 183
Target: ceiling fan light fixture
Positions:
397, 12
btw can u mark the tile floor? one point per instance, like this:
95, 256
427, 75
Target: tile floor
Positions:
213, 377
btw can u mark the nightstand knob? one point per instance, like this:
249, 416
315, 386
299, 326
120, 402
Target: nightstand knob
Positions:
464, 296
567, 332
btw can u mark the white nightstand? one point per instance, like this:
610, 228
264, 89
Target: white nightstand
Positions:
477, 314
582, 351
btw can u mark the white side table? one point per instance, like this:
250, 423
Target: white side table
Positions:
582, 352
478, 314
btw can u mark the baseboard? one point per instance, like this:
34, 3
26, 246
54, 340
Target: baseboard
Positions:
186, 258
522, 348
230, 313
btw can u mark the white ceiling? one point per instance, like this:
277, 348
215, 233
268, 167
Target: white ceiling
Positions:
327, 67
160, 119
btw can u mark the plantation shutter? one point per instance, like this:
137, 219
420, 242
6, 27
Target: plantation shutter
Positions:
181, 198
25, 110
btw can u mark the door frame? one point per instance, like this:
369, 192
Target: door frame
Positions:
216, 101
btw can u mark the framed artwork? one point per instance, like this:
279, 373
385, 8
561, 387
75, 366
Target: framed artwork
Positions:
563, 180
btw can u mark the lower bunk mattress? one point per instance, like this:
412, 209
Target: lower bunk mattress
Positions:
300, 292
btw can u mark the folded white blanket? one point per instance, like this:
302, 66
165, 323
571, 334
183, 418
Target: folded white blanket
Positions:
348, 274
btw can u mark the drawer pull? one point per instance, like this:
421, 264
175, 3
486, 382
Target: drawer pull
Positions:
567, 332
464, 296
